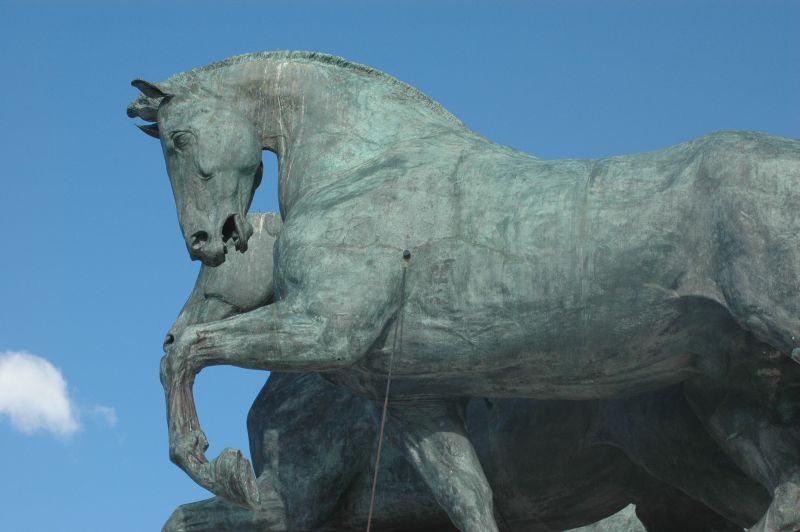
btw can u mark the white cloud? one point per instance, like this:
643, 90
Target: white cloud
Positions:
33, 395
107, 413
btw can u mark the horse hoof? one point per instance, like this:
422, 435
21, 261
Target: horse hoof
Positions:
234, 479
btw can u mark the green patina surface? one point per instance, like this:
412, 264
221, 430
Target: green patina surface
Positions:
569, 279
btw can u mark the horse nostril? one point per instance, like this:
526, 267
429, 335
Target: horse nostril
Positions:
199, 240
229, 229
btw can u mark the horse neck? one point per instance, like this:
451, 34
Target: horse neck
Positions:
324, 120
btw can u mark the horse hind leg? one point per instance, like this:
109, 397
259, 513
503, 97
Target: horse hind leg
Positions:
433, 437
666, 509
766, 447
661, 434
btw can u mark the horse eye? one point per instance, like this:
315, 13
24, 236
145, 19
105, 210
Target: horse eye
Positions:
181, 140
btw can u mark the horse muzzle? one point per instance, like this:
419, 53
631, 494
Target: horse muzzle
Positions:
211, 251
210, 248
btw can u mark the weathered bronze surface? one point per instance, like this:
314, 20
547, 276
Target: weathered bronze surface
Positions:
528, 279
551, 464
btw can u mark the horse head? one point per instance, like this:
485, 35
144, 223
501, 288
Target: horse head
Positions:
213, 158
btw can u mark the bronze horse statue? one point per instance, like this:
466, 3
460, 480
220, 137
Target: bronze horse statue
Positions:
313, 448
514, 277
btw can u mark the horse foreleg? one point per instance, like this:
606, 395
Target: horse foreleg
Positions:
230, 475
310, 440
434, 438
280, 337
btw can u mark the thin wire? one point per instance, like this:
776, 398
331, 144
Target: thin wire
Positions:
397, 324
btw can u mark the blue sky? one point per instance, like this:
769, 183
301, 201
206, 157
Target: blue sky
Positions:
93, 270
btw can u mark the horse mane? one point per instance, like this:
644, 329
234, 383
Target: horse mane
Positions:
188, 76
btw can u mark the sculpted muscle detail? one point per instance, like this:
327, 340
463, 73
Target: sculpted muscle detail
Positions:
528, 278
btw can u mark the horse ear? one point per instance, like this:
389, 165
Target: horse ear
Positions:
150, 129
148, 89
